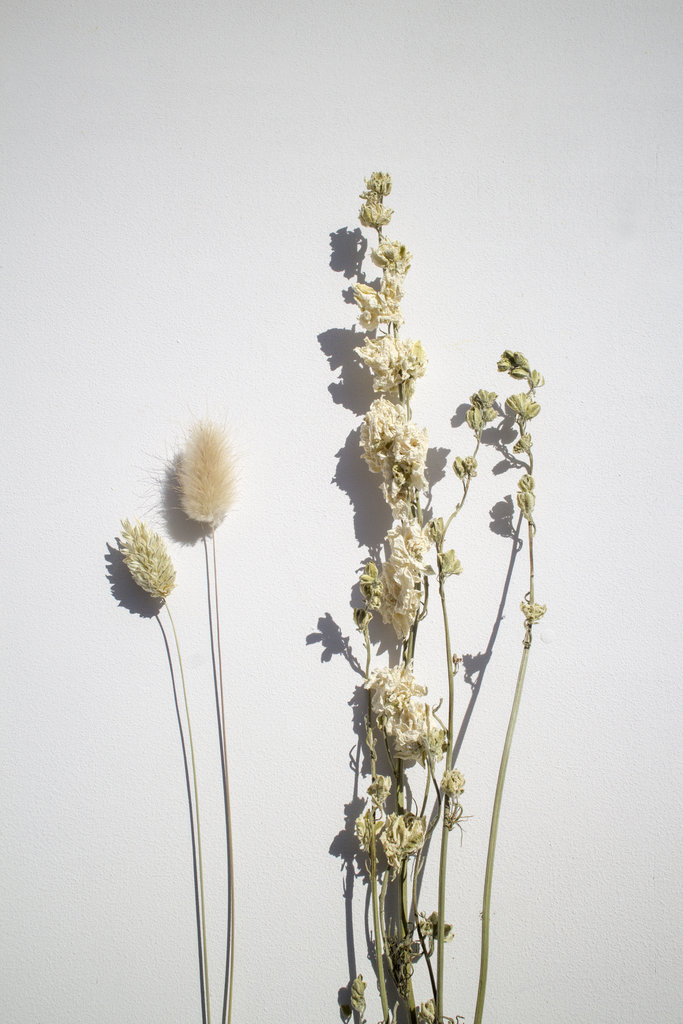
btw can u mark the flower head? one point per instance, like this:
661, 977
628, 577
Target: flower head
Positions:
146, 555
403, 835
206, 475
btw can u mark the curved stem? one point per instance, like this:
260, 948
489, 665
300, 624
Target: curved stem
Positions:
486, 911
193, 833
493, 835
196, 807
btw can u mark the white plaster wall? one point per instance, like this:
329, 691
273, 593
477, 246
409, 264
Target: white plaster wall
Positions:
172, 173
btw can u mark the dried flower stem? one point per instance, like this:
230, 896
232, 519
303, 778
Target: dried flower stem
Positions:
222, 742
373, 852
196, 814
495, 817
443, 855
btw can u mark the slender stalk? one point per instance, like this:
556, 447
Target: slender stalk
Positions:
444, 828
373, 854
488, 878
196, 807
403, 895
493, 834
230, 931
378, 930
193, 834
419, 861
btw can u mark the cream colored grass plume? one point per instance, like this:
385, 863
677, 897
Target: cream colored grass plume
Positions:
206, 474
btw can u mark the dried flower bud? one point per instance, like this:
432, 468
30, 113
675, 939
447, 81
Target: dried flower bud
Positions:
484, 399
429, 926
371, 586
514, 363
536, 379
523, 405
526, 483
435, 529
392, 256
358, 994
379, 790
374, 215
533, 612
475, 419
426, 1013
526, 503
365, 826
449, 565
379, 184
453, 783
523, 445
147, 558
466, 467
206, 475
362, 618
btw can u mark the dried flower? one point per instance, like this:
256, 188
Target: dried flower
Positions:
146, 555
395, 447
393, 361
365, 827
378, 184
453, 783
377, 307
374, 215
403, 835
392, 256
206, 475
399, 709
533, 612
402, 574
379, 790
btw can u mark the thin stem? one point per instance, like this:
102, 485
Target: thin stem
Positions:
419, 861
486, 911
378, 928
466, 487
195, 868
230, 948
403, 897
196, 806
373, 852
444, 827
493, 835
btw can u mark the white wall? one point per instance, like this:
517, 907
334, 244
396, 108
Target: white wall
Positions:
172, 174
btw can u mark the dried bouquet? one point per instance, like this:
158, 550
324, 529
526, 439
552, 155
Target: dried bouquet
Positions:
405, 727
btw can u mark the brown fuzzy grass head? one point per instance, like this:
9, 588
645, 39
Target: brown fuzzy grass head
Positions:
206, 474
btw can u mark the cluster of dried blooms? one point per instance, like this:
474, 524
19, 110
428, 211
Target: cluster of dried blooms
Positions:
392, 834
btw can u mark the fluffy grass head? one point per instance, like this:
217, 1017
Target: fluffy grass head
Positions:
206, 475
147, 558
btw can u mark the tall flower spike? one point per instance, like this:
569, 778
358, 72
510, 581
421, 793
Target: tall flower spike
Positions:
206, 475
146, 555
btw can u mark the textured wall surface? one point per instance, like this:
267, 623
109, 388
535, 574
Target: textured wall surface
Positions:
180, 186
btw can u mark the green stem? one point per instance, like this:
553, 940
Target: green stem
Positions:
373, 854
230, 939
486, 911
441, 911
403, 898
196, 807
493, 835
